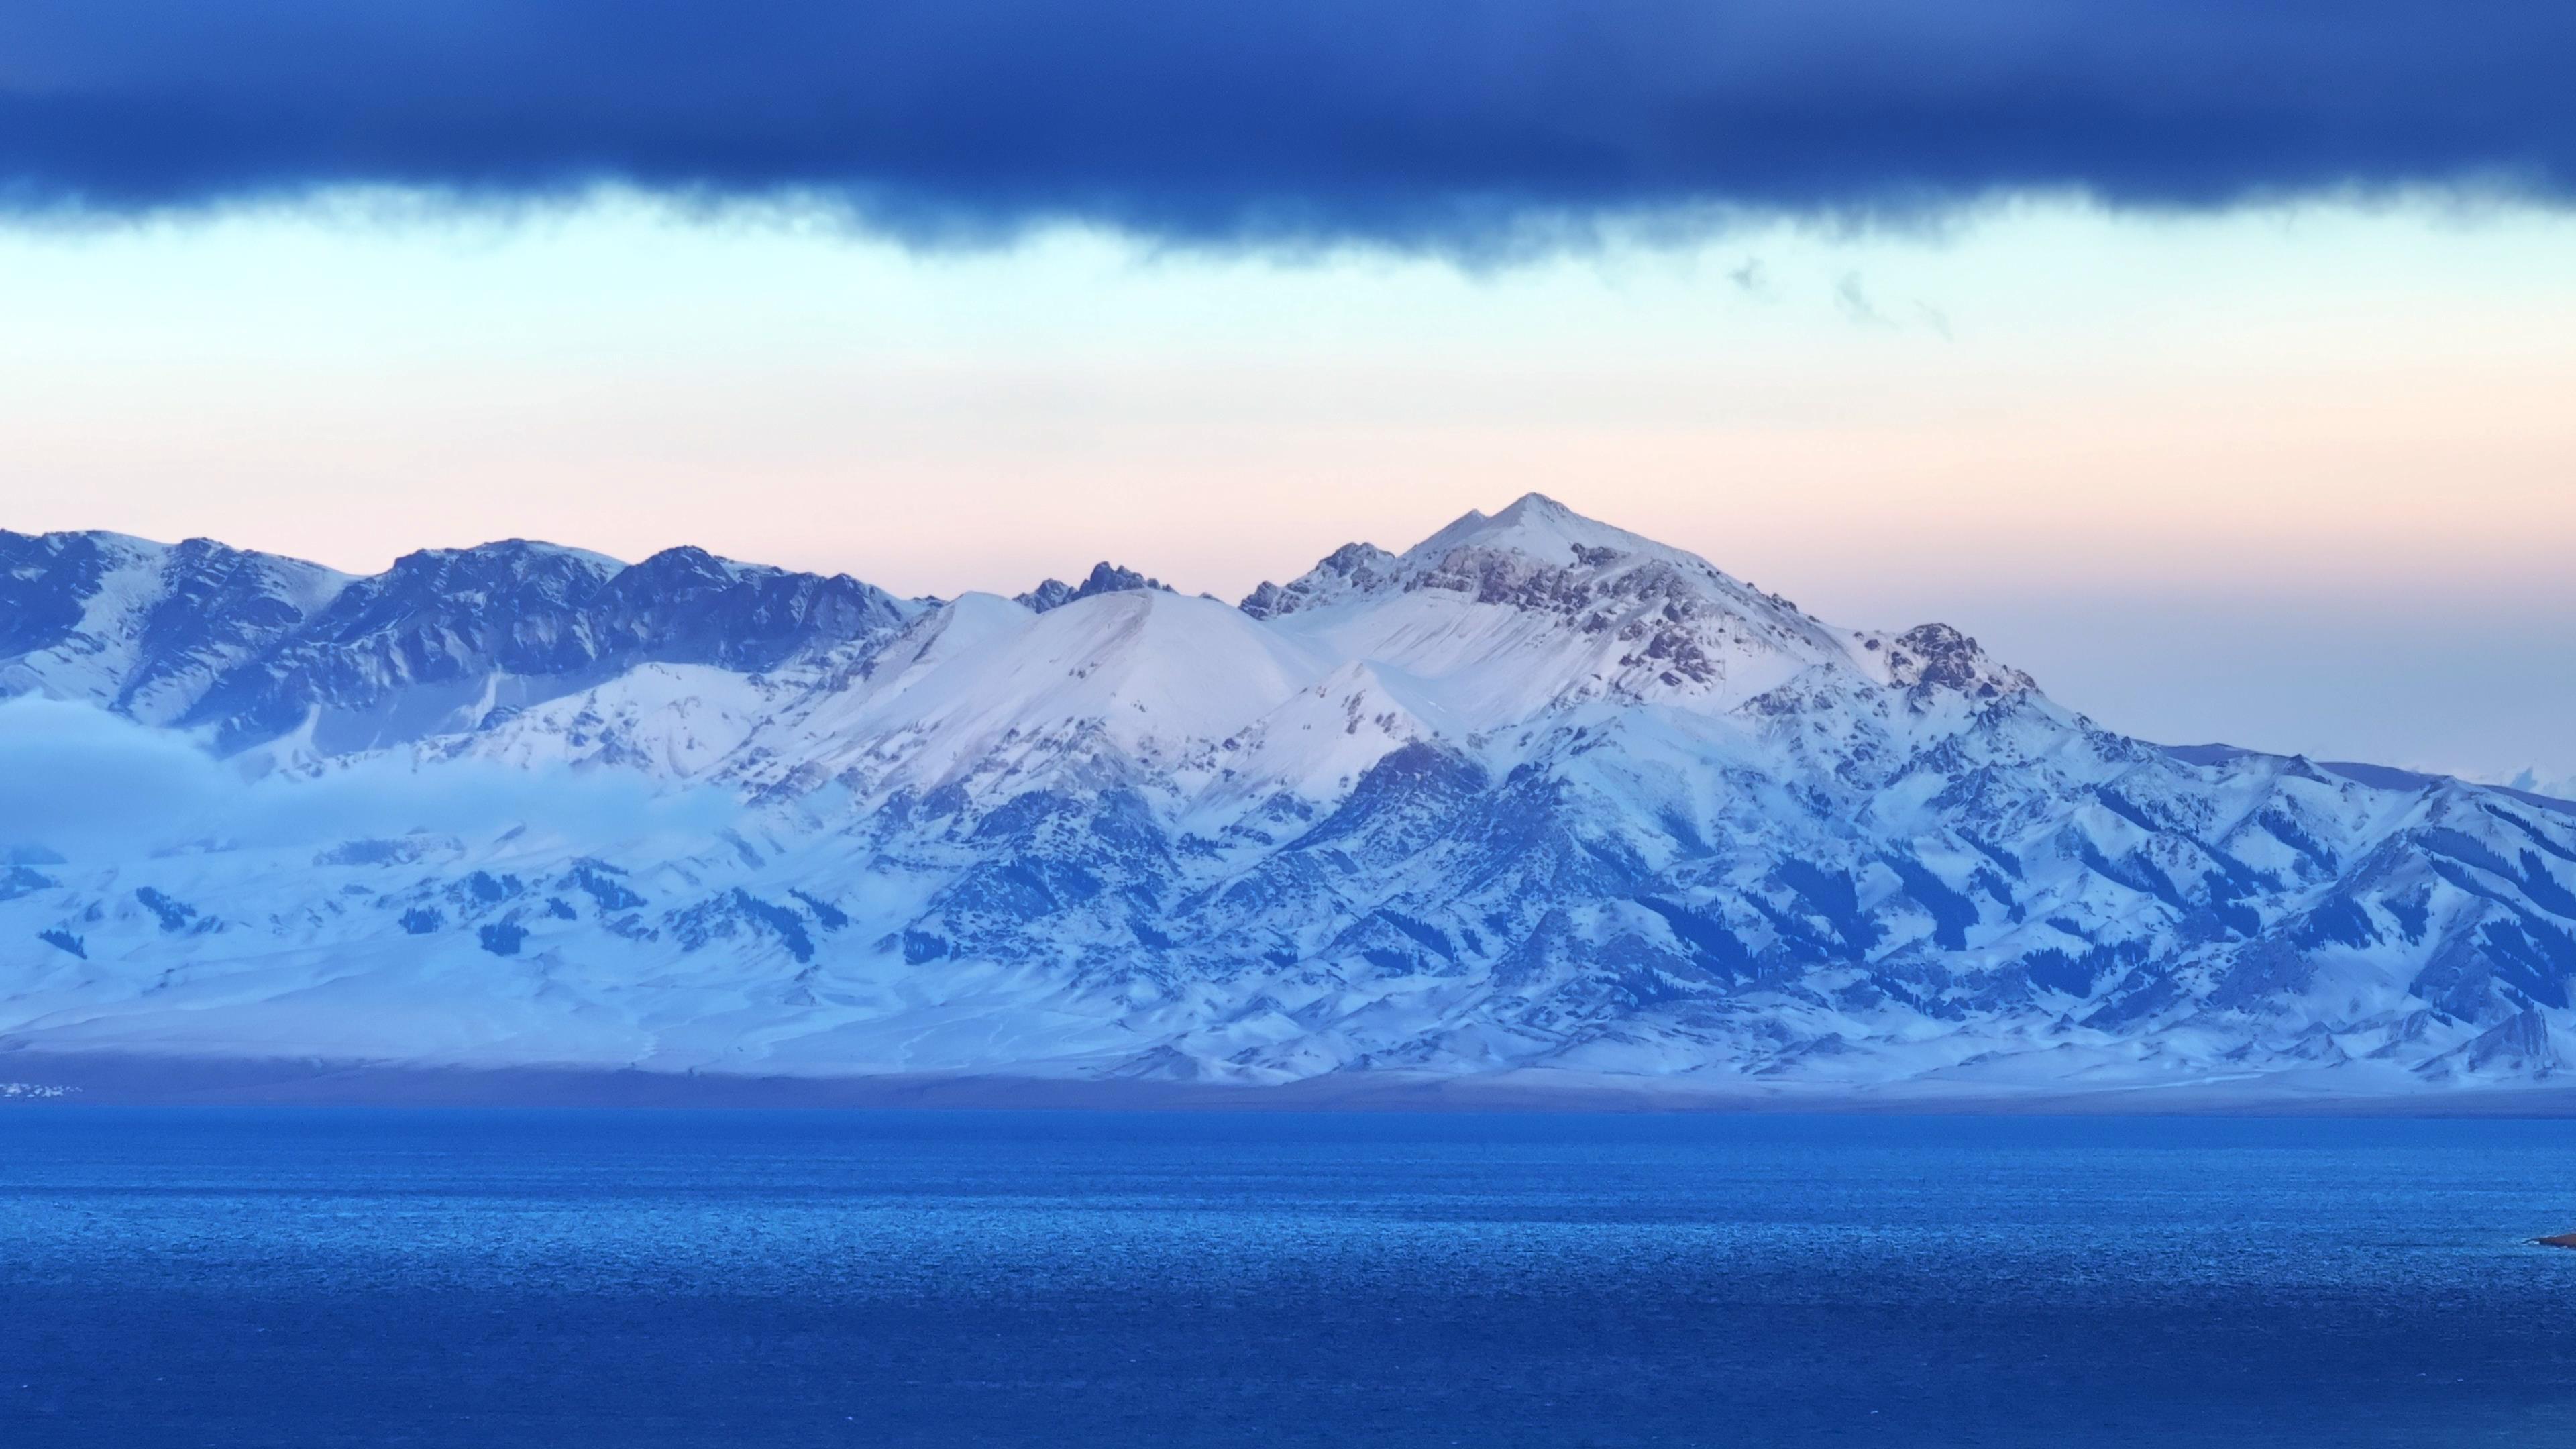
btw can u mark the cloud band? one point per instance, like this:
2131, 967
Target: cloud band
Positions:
1447, 123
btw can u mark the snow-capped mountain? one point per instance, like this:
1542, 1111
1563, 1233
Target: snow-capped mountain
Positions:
1534, 799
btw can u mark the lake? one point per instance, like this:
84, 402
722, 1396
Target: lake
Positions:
630, 1278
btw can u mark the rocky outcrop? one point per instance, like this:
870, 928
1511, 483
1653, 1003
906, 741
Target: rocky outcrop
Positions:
1104, 578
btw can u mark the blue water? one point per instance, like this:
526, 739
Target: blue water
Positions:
302, 1277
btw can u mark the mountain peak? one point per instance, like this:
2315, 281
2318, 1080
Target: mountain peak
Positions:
1539, 526
1536, 505
1105, 578
1534, 547
1939, 655
517, 555
1352, 568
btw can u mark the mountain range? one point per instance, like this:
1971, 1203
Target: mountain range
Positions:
1536, 801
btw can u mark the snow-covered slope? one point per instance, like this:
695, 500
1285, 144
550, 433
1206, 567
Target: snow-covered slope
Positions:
1535, 796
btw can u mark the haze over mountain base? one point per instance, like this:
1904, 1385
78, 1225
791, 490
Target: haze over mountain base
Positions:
1537, 804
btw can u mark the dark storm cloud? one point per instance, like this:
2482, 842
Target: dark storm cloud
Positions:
1449, 123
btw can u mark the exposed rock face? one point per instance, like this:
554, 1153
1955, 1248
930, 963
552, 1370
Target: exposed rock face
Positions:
255, 647
1354, 568
1105, 578
1940, 656
1535, 795
686, 606
144, 628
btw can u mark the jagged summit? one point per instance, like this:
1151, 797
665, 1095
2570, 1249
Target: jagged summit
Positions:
1939, 656
1539, 604
1105, 578
1534, 527
1354, 568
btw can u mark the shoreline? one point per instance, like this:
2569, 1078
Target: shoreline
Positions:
30, 1079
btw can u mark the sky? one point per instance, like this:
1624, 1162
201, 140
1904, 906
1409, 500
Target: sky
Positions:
2210, 361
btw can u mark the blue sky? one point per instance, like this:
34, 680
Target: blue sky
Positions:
2208, 360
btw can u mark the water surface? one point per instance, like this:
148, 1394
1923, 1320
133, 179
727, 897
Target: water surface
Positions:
353, 1277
